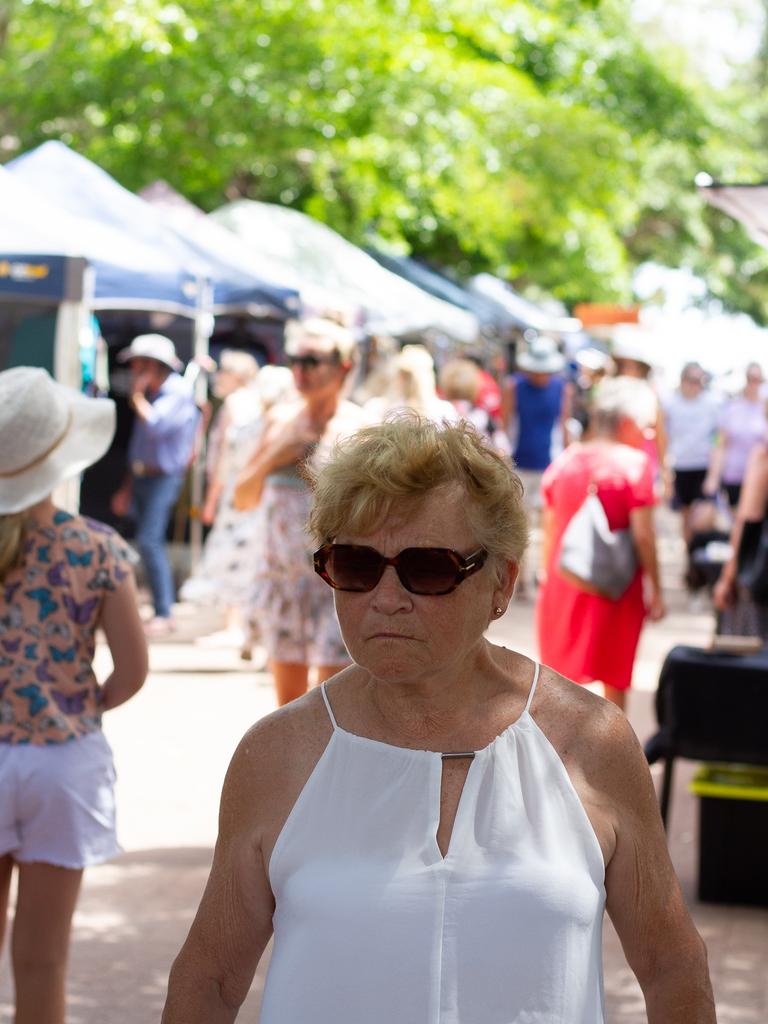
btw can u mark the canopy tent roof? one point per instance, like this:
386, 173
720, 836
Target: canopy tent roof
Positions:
80, 187
745, 203
128, 273
202, 232
298, 242
527, 314
493, 317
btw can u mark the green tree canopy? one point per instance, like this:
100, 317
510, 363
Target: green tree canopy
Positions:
540, 139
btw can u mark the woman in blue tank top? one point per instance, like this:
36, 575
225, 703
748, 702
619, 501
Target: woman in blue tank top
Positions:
434, 835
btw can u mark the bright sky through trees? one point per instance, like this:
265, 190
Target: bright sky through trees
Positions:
717, 34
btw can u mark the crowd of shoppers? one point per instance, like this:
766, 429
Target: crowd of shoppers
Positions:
556, 433
566, 431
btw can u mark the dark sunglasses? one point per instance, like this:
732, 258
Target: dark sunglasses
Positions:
430, 571
310, 362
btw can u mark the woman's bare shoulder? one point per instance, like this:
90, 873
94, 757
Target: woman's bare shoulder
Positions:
602, 756
283, 734
584, 728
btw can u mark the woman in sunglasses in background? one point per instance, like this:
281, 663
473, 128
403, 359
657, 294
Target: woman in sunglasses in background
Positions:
292, 607
433, 836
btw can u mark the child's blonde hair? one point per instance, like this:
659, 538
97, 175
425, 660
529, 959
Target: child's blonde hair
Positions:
13, 529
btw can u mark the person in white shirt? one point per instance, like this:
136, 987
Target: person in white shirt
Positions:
691, 416
412, 386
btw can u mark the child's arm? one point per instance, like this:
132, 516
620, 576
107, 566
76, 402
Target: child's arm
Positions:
125, 636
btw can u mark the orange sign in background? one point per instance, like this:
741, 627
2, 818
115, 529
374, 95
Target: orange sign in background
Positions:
595, 314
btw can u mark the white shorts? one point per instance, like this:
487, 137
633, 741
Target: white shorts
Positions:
57, 802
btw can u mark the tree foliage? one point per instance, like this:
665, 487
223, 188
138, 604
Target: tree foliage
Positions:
540, 139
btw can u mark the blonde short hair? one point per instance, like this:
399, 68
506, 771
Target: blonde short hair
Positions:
414, 381
460, 380
240, 364
617, 398
404, 459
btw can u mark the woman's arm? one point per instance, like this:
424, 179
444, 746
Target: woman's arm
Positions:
211, 504
566, 411
644, 536
508, 409
547, 539
644, 899
711, 483
212, 974
752, 506
281, 444
123, 629
216, 463
662, 447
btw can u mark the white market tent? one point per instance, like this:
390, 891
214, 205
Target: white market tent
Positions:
526, 313
128, 272
321, 256
82, 188
198, 229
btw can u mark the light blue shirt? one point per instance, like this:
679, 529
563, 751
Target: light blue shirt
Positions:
164, 442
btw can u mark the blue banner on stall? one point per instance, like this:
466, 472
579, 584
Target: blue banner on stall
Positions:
49, 279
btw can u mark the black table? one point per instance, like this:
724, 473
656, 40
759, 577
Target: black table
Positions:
711, 706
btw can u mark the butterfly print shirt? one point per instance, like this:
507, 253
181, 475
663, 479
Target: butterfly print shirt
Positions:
50, 606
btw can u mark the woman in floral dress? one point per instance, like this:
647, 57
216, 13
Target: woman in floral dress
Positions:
293, 608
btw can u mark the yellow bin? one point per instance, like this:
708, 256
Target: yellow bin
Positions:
733, 833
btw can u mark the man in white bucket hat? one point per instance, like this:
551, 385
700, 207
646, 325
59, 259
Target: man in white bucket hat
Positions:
62, 577
152, 346
159, 453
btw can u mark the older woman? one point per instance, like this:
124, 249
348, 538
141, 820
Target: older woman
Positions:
434, 834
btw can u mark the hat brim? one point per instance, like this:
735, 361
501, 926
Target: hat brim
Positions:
631, 357
553, 364
89, 435
593, 359
125, 355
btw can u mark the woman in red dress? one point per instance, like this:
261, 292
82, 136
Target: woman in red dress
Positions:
582, 634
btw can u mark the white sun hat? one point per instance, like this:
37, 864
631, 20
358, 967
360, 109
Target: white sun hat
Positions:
541, 356
48, 433
151, 346
633, 343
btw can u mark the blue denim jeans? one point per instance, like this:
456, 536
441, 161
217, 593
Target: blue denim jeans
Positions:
154, 498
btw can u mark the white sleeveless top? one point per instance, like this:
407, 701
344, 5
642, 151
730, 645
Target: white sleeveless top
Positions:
373, 926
